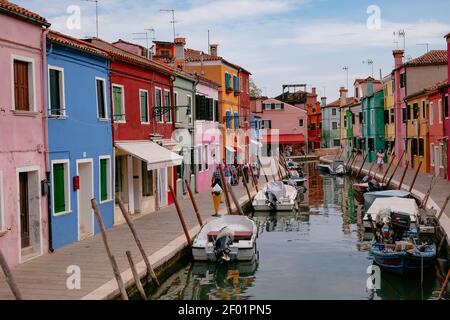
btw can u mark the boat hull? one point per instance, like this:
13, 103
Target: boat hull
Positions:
236, 253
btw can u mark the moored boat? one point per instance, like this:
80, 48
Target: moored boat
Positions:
337, 167
227, 238
369, 197
364, 187
275, 196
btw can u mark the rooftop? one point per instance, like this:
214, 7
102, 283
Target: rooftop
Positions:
75, 43
20, 12
433, 57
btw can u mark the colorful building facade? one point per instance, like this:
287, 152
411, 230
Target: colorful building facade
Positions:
314, 121
79, 138
331, 120
373, 122
23, 150
389, 115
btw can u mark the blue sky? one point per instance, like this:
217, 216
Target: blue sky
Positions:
285, 41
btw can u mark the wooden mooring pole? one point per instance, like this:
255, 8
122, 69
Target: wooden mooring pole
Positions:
443, 207
415, 177
235, 200
444, 285
262, 168
10, 278
180, 215
403, 175
370, 169
114, 265
389, 167
194, 203
246, 186
225, 191
395, 170
255, 183
427, 195
130, 223
137, 280
362, 165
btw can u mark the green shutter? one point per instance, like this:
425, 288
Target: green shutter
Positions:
118, 108
59, 188
103, 180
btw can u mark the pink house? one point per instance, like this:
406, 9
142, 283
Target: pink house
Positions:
207, 133
23, 203
399, 77
290, 121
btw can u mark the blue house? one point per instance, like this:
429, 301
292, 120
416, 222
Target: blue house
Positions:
79, 138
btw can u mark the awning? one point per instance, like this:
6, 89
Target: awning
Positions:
156, 156
284, 138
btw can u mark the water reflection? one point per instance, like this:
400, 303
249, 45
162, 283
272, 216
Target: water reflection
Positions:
319, 251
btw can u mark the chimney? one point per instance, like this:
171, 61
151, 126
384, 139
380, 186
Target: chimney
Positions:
324, 101
398, 57
343, 95
313, 91
179, 52
213, 49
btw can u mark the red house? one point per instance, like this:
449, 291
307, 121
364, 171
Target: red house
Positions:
314, 121
141, 94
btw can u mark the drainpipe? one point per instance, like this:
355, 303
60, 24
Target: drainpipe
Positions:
45, 131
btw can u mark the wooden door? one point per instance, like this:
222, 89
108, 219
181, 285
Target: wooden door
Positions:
24, 210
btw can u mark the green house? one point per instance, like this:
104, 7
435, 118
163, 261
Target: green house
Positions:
373, 123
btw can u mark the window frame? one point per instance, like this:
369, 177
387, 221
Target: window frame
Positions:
122, 87
440, 112
67, 187
446, 107
165, 106
199, 158
32, 91
140, 107
432, 160
108, 179
104, 98
189, 102
177, 113
431, 116
62, 93
424, 110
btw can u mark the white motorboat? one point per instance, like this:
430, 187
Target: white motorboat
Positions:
393, 204
370, 197
227, 238
337, 167
275, 196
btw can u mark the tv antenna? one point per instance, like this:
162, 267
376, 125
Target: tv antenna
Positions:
401, 34
173, 20
96, 14
369, 62
345, 68
423, 44
146, 38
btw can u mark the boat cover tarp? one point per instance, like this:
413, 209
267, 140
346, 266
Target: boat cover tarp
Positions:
277, 188
396, 204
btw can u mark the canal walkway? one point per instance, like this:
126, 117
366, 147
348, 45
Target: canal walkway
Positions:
438, 194
160, 232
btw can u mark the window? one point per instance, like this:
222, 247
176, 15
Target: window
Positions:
421, 147
235, 83
101, 98
345, 123
158, 104
199, 158
2, 207
408, 112
177, 110
60, 187
278, 106
119, 178
333, 111
442, 155
431, 113
118, 103
403, 80
424, 110
147, 180
228, 117
227, 81
404, 114
236, 120
361, 118
414, 147
192, 160
371, 144
216, 110
386, 117
415, 111
334, 125
372, 117
446, 106
312, 126
143, 105
168, 110
392, 112
300, 122
440, 110
266, 124
105, 179
23, 84
206, 158
356, 92
336, 143
56, 91
189, 108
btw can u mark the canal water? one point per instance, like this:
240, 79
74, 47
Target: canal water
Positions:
315, 252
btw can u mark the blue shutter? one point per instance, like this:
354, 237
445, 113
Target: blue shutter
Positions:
235, 83
228, 119
236, 120
227, 80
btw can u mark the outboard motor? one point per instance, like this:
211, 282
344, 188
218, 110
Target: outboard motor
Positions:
400, 223
271, 200
373, 185
365, 179
222, 244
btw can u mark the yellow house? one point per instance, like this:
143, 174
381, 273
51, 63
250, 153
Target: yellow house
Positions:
219, 70
417, 131
389, 115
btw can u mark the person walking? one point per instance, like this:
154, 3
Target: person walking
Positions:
227, 174
216, 178
245, 171
380, 161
